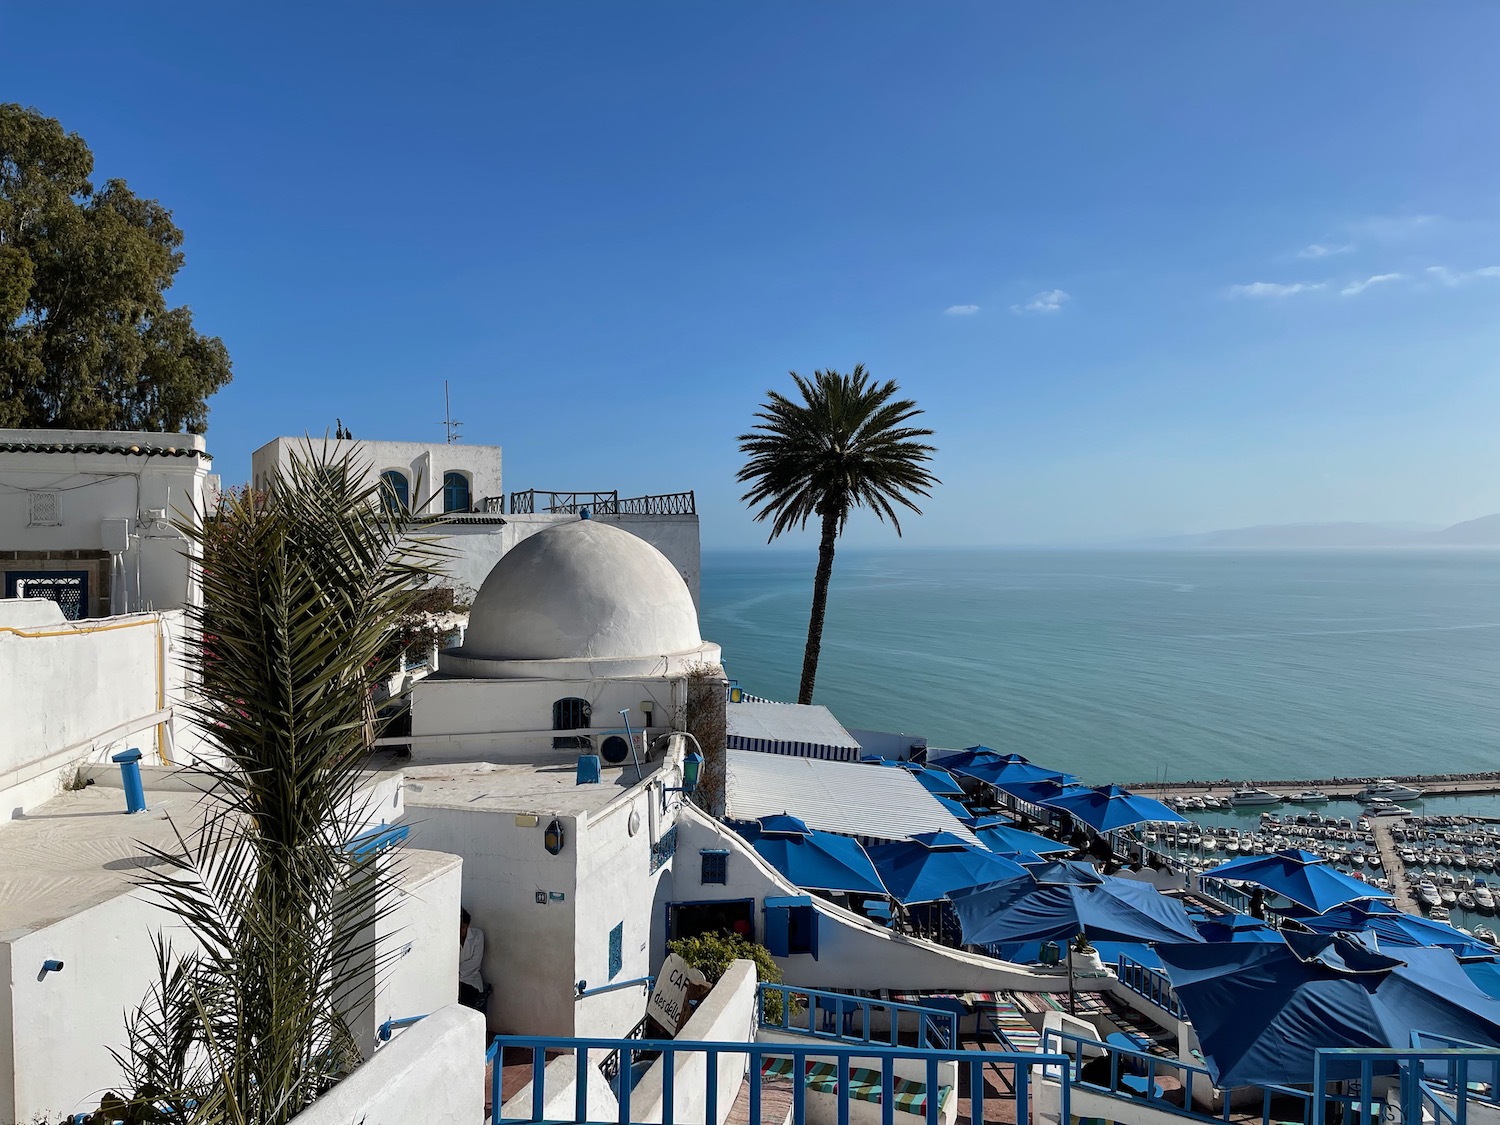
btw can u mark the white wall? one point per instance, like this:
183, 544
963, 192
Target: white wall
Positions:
97, 486
418, 938
853, 952
559, 1083
473, 719
424, 464
76, 691
528, 946
432, 1072
55, 1043
891, 745
726, 1015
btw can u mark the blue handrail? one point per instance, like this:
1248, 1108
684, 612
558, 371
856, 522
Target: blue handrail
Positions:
864, 1055
850, 1020
393, 1023
1414, 1091
1150, 983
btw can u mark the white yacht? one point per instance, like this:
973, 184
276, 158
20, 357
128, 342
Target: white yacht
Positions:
1484, 898
1466, 900
1250, 795
1389, 790
1427, 894
1440, 914
1379, 807
1309, 797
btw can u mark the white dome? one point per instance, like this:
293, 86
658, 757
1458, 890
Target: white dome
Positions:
578, 591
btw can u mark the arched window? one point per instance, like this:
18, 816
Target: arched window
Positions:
394, 491
571, 714
455, 492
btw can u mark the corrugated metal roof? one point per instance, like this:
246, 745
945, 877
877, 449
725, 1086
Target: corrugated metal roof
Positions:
865, 801
790, 728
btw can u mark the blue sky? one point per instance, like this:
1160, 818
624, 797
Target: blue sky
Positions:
1150, 268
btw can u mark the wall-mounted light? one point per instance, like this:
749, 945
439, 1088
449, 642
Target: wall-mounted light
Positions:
692, 766
553, 839
49, 966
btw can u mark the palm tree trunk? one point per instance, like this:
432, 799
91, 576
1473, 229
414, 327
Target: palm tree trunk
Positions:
819, 607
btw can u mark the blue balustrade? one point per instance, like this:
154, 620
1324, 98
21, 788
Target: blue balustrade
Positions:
841, 1056
848, 1019
1440, 1081
1153, 984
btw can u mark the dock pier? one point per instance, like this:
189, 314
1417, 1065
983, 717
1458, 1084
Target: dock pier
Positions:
1338, 789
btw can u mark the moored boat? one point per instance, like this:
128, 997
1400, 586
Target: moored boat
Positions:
1247, 794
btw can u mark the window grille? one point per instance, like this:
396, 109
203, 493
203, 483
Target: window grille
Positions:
616, 950
46, 509
715, 865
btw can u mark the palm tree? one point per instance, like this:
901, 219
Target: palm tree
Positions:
846, 445
301, 585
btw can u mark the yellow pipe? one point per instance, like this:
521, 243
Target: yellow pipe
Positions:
161, 662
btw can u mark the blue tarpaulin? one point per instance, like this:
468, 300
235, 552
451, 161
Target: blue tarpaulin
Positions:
1110, 807
1113, 910
1040, 792
1004, 768
1262, 1009
930, 866
965, 758
1235, 927
1063, 872
1300, 876
938, 782
1395, 928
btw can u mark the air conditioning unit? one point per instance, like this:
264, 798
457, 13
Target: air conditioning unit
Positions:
614, 749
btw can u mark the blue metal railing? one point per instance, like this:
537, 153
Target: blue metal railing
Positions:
842, 1056
1151, 983
847, 1019
1133, 1074
1420, 1079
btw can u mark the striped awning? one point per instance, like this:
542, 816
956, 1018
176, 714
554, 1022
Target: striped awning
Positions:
792, 729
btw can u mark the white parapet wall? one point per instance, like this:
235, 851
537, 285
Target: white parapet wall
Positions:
853, 951
74, 691
431, 1072
726, 1015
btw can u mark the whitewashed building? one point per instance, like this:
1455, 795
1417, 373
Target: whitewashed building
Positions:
86, 518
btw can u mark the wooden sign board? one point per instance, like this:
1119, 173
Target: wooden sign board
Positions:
668, 1002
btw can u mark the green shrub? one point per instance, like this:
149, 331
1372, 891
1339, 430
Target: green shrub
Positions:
711, 955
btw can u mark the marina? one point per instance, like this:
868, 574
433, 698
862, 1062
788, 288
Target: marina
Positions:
1334, 788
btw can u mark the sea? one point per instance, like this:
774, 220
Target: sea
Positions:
1141, 666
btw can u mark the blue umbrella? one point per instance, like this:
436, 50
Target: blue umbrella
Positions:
965, 758
1262, 1009
1007, 840
1040, 792
1110, 807
1062, 872
1300, 876
1008, 768
821, 861
958, 810
938, 782
931, 865
1114, 909
1395, 928
782, 824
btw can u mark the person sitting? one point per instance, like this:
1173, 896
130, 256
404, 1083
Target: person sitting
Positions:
471, 989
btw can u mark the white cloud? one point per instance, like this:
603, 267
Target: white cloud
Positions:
961, 310
1324, 249
1048, 301
1457, 277
1260, 289
1356, 287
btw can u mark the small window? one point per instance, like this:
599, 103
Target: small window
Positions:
715, 865
571, 714
616, 950
455, 492
394, 491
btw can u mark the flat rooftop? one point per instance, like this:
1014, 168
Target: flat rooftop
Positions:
547, 785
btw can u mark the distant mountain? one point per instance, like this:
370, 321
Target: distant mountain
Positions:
1483, 532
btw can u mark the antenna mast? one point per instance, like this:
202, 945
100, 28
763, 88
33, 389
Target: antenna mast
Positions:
448, 422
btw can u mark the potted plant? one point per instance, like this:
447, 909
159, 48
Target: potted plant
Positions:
1086, 958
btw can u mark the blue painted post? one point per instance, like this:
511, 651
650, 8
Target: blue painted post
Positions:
130, 775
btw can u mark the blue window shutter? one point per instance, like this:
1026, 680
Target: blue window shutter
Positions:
812, 931
778, 926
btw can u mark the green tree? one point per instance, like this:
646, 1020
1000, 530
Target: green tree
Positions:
846, 445
87, 340
302, 583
